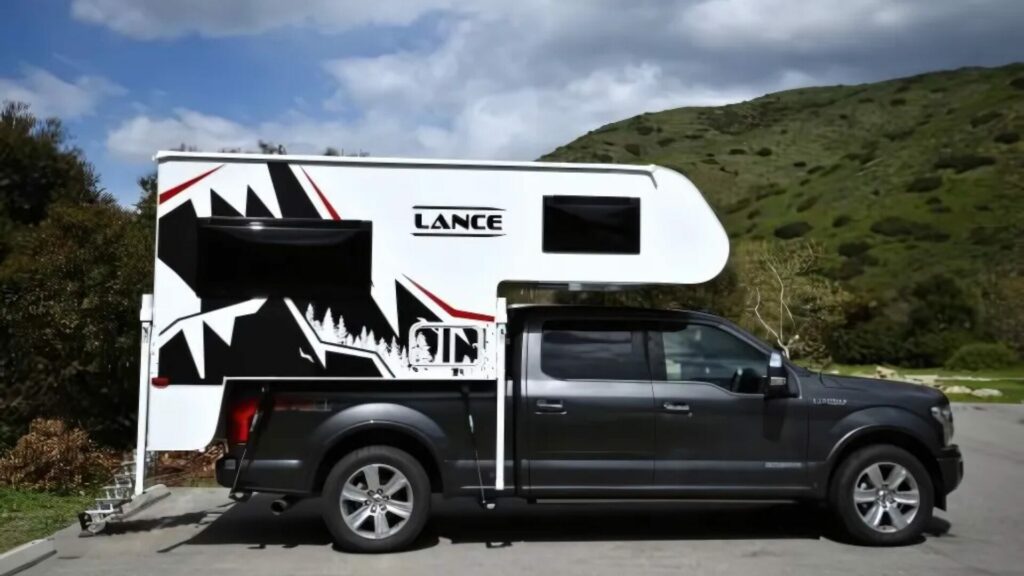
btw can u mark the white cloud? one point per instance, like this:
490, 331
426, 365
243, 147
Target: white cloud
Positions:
148, 19
49, 95
514, 80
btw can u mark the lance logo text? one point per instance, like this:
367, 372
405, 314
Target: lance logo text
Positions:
467, 221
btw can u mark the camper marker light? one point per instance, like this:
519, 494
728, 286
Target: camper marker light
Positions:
160, 381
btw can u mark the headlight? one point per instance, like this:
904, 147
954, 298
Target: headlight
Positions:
944, 414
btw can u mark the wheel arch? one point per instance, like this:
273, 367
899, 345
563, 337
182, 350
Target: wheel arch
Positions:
380, 424
893, 436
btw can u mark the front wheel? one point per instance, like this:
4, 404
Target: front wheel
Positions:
882, 496
376, 499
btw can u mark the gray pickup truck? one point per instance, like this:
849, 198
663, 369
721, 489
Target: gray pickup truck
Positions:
601, 403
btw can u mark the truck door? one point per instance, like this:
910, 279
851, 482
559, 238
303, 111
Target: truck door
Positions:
716, 431
588, 408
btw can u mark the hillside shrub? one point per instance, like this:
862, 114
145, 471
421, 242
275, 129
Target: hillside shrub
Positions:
981, 356
849, 269
1017, 83
854, 248
898, 101
693, 136
737, 151
767, 190
632, 148
799, 164
961, 163
941, 209
898, 135
878, 340
739, 205
753, 213
604, 158
933, 200
805, 182
841, 220
665, 141
925, 183
806, 204
55, 457
815, 169
764, 152
927, 349
644, 129
710, 161
985, 118
982, 207
1007, 138
894, 226
792, 230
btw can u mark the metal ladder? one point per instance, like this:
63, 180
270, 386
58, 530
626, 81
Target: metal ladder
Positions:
108, 505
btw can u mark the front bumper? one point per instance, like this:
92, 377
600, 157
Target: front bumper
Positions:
951, 468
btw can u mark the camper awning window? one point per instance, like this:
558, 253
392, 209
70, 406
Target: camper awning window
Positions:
257, 257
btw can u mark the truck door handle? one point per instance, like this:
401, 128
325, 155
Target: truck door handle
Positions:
551, 406
677, 407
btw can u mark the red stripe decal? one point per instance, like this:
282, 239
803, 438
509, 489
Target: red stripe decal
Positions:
447, 308
330, 209
168, 194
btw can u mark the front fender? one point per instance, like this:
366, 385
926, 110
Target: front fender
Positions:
382, 416
897, 424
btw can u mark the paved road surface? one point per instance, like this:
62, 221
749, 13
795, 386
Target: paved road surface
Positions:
199, 532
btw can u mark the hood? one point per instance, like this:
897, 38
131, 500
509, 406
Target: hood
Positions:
889, 388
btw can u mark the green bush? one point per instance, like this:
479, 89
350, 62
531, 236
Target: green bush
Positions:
737, 151
985, 118
1017, 83
961, 163
1007, 138
854, 248
981, 356
792, 230
806, 204
877, 340
741, 204
799, 164
927, 349
632, 148
898, 101
765, 151
841, 220
925, 183
665, 142
895, 226
644, 129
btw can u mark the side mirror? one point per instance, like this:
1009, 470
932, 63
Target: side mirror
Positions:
777, 381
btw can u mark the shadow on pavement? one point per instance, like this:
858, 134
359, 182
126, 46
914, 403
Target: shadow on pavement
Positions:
463, 521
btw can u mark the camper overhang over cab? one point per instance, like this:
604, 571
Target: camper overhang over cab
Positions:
328, 268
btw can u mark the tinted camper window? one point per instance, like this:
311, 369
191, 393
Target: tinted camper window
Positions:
248, 257
591, 225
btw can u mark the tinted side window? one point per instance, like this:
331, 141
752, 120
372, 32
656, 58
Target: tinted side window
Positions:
591, 225
702, 353
593, 350
250, 257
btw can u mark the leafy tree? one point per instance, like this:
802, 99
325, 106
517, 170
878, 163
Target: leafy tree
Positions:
69, 320
788, 300
37, 168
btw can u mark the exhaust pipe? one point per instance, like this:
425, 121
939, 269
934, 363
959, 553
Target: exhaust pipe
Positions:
281, 505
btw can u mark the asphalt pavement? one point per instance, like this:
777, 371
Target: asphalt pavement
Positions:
200, 532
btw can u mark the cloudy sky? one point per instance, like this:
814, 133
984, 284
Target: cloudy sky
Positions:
445, 78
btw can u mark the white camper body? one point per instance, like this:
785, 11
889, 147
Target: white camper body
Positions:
434, 240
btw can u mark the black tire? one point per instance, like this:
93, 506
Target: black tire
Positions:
849, 514
418, 486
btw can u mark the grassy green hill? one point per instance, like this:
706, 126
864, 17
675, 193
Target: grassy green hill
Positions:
896, 179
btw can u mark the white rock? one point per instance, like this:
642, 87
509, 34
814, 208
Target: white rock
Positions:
986, 393
956, 390
885, 373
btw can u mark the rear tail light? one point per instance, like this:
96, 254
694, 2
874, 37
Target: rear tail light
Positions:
242, 413
160, 381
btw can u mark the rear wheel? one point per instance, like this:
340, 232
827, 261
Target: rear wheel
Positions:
882, 495
376, 499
